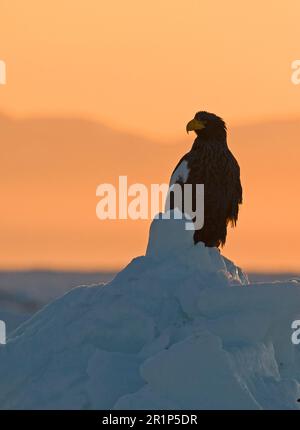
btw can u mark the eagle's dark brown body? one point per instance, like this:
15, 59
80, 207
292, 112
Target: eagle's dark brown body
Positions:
211, 163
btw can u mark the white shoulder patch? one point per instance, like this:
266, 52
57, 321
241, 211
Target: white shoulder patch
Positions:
181, 173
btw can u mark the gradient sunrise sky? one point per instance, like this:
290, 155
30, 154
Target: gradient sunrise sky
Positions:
145, 67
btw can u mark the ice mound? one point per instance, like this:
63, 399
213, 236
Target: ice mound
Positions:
179, 328
170, 241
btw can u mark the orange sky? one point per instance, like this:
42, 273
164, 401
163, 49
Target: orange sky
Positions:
147, 65
143, 67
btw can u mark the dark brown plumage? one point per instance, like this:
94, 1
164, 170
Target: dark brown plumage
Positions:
211, 163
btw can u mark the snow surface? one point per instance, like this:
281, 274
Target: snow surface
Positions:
22, 293
178, 328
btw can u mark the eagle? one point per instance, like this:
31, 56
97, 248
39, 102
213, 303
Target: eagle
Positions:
211, 163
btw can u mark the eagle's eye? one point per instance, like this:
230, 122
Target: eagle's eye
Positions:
203, 121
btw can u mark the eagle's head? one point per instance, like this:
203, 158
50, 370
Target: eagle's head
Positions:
208, 126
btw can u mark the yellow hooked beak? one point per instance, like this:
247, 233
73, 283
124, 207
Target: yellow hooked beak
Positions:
194, 125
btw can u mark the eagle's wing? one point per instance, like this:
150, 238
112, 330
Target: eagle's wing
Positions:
179, 176
181, 171
235, 190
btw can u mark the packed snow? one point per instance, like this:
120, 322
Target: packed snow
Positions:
22, 293
178, 328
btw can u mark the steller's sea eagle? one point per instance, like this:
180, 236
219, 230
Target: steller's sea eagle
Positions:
211, 163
